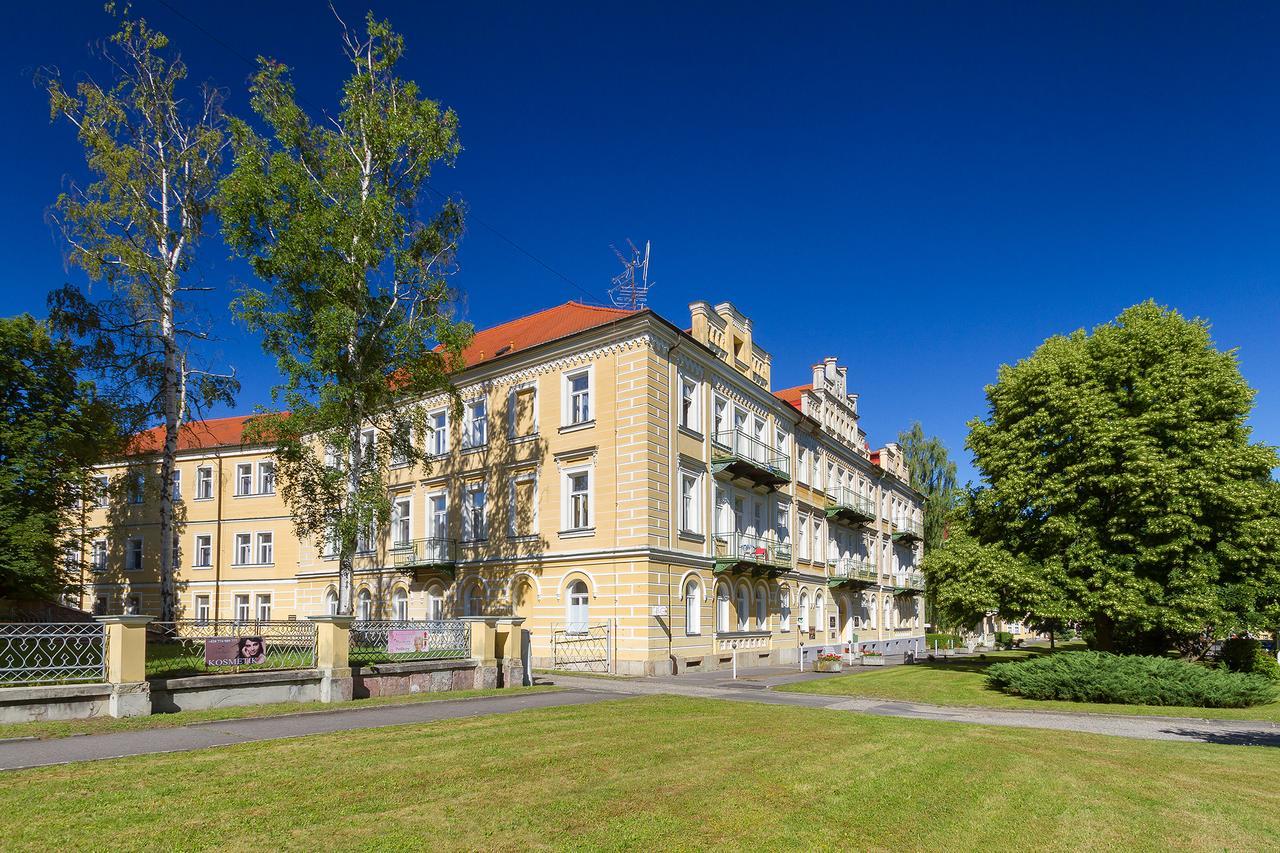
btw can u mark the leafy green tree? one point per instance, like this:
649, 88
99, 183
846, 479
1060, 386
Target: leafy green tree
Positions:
1119, 464
53, 429
358, 313
155, 156
933, 475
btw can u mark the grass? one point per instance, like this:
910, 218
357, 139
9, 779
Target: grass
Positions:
661, 773
102, 725
962, 681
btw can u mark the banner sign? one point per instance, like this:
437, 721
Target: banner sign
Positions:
234, 651
402, 640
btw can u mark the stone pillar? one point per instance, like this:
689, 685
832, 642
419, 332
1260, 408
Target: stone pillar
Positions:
484, 650
127, 665
333, 648
510, 643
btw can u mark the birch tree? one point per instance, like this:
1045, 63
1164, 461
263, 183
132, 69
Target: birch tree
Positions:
357, 308
155, 155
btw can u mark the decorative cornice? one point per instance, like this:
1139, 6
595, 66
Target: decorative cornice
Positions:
574, 359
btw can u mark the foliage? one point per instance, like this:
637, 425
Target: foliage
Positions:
1120, 479
327, 213
1130, 680
1004, 639
943, 641
933, 475
1245, 654
155, 156
53, 428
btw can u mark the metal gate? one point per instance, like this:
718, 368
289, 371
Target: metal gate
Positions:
587, 648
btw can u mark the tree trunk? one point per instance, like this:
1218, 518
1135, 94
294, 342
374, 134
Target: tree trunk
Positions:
1052, 634
346, 559
171, 393
1104, 632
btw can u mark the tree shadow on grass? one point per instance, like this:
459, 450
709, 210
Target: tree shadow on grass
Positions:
1228, 738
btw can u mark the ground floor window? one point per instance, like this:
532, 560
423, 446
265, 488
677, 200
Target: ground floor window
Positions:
578, 610
692, 609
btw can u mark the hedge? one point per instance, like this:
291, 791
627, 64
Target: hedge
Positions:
1129, 680
943, 639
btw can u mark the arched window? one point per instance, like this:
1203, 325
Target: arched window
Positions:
472, 600
435, 603
762, 610
744, 606
364, 605
577, 608
819, 612
784, 610
331, 602
802, 620
692, 608
400, 605
722, 608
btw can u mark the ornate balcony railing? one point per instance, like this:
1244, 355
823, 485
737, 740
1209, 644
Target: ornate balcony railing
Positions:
909, 582
435, 552
747, 552
744, 456
906, 530
851, 570
847, 505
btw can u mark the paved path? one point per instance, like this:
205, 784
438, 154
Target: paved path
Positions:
753, 686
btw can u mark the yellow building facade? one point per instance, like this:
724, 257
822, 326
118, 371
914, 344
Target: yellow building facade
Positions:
636, 490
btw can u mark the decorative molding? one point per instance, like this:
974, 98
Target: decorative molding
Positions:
532, 371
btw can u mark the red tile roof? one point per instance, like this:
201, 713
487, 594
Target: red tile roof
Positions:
540, 328
196, 435
792, 395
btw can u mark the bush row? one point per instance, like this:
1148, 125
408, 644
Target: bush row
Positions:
1129, 680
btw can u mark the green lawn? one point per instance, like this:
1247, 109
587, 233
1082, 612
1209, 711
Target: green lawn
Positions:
99, 725
661, 773
961, 682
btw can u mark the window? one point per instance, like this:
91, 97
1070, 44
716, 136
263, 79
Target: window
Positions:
99, 605
242, 607
762, 610
368, 443
244, 478
364, 605
718, 424
331, 602
400, 605
438, 516
690, 413
577, 608
522, 419
264, 607
137, 487
133, 554
802, 619
577, 397
578, 489
177, 484
438, 439
204, 484
803, 538
103, 490
266, 478
472, 600
524, 504
722, 608
692, 609
474, 528
365, 538
435, 603
690, 505
244, 549
266, 549
744, 607
401, 515
175, 554
784, 610
98, 556
202, 608
819, 613
782, 523
475, 429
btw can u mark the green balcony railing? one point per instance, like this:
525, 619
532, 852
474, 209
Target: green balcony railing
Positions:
847, 505
744, 455
851, 570
909, 582
750, 552
424, 553
906, 530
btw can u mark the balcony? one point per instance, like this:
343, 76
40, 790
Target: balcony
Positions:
849, 506
439, 554
908, 582
758, 555
851, 570
907, 531
744, 457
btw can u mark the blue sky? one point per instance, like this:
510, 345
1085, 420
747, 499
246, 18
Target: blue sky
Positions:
925, 190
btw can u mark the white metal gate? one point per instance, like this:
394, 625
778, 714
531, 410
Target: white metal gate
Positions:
587, 648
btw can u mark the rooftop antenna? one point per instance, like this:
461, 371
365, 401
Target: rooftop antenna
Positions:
631, 286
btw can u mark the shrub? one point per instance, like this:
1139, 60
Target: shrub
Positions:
943, 639
1242, 654
1129, 680
1004, 639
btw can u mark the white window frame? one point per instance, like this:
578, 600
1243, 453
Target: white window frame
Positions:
567, 476
435, 602
242, 611
262, 606
204, 482
103, 496
724, 604
98, 556
201, 608
364, 604
177, 484
720, 412
522, 477
784, 611
331, 602
401, 520
266, 477
438, 433
202, 550
244, 548
692, 608
265, 548
244, 479
691, 503
515, 391
690, 416
133, 545
470, 438
400, 604
568, 409
743, 606
469, 532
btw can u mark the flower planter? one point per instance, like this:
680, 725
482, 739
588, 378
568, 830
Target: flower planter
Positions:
873, 660
827, 666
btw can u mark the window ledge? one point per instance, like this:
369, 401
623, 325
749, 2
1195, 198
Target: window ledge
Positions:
690, 536
249, 565
523, 537
521, 439
576, 427
200, 500
580, 533
478, 448
689, 431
